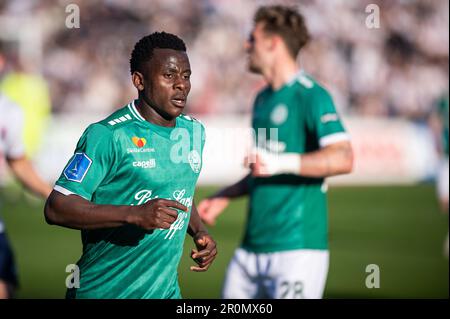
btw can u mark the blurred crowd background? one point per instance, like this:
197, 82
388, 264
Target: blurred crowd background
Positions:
386, 81
397, 70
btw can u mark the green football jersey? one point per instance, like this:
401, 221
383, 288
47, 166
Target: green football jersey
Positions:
125, 160
288, 212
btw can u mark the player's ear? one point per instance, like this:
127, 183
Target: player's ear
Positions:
138, 80
275, 41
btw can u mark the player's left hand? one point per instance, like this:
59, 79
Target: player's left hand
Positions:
263, 163
205, 253
258, 162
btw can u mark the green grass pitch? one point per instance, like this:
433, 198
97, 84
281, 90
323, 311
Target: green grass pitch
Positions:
398, 228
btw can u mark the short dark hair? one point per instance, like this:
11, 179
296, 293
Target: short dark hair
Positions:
286, 22
143, 49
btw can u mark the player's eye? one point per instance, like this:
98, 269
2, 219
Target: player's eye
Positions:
187, 76
168, 75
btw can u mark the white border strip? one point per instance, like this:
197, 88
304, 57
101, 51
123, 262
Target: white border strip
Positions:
137, 112
132, 112
333, 138
65, 191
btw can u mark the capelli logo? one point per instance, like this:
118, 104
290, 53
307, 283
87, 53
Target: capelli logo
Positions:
145, 164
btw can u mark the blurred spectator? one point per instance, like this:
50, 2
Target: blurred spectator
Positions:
30, 92
396, 70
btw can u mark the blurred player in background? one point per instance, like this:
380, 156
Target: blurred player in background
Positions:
130, 185
12, 149
284, 253
35, 105
439, 124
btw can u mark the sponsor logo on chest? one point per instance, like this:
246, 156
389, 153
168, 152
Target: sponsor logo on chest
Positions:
179, 153
139, 142
145, 196
151, 163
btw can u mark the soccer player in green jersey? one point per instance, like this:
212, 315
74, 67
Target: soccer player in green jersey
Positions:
439, 124
129, 186
284, 253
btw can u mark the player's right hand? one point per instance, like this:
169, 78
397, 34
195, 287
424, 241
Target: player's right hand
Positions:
208, 209
157, 213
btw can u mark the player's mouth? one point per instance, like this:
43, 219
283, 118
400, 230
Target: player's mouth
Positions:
179, 101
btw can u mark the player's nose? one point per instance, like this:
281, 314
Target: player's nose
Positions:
180, 84
249, 43
247, 46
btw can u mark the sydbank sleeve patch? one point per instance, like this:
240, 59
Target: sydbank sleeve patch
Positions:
78, 167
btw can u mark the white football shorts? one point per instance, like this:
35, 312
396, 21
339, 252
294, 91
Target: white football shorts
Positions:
293, 274
442, 180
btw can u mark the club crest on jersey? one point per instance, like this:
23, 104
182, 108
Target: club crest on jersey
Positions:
279, 114
139, 141
78, 167
195, 161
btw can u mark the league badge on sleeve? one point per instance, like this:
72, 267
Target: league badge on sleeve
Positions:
78, 167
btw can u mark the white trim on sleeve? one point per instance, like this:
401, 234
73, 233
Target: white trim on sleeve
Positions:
65, 191
333, 138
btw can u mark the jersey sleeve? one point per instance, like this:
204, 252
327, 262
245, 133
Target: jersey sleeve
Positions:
203, 136
14, 139
93, 162
325, 120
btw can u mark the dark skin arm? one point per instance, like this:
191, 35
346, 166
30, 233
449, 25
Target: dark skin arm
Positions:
236, 190
206, 250
75, 212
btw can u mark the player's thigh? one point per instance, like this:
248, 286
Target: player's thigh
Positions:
8, 278
300, 274
239, 282
6, 290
